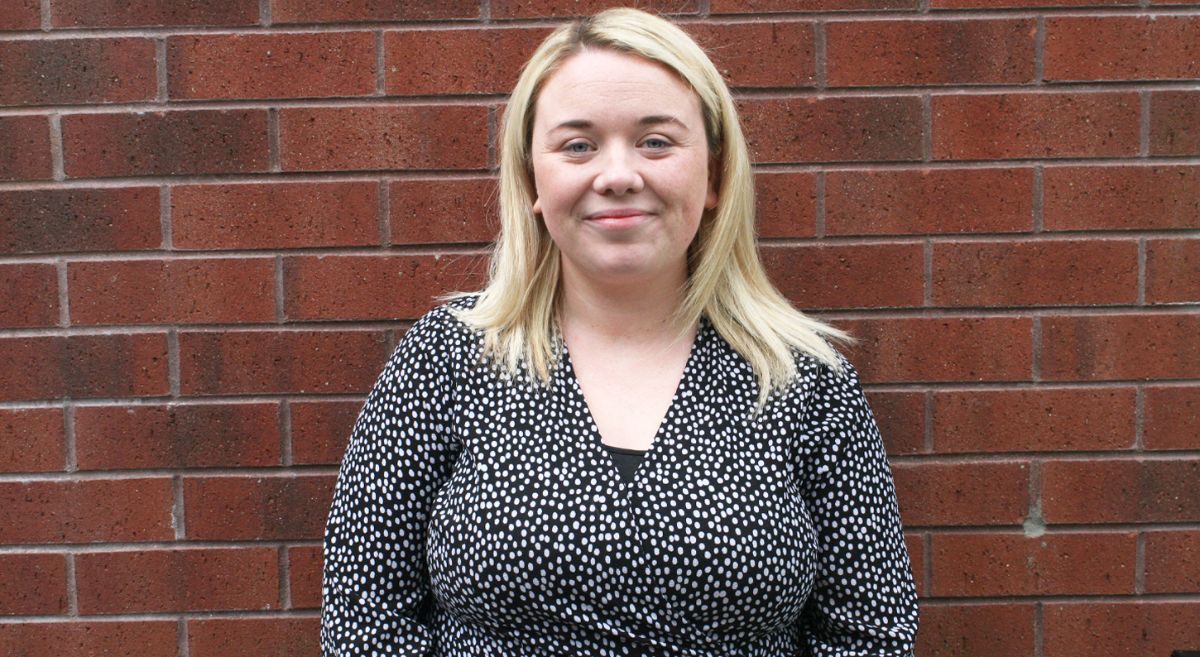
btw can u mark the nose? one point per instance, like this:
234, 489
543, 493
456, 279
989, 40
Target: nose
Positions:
618, 173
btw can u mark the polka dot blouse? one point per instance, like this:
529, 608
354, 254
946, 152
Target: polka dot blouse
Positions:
479, 516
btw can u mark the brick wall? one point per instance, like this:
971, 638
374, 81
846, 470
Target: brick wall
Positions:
217, 218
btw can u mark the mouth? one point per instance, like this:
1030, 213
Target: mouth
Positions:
618, 218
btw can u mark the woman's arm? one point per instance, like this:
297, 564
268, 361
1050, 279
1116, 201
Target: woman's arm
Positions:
402, 449
864, 599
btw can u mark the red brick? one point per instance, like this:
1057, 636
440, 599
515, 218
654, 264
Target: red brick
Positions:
928, 201
942, 348
87, 511
177, 436
248, 362
443, 210
851, 128
27, 152
786, 204
1172, 271
545, 8
915, 545
779, 53
1175, 123
1172, 562
33, 584
183, 291
31, 295
78, 366
1172, 417
470, 60
21, 15
69, 71
275, 215
321, 430
241, 66
901, 419
348, 11
848, 276
765, 6
1027, 125
150, 13
262, 637
978, 630
202, 579
934, 494
979, 565
1121, 491
1033, 420
304, 576
32, 440
374, 287
1122, 197
291, 507
864, 53
1119, 347
1124, 629
179, 142
1134, 47
65, 220
1035, 273
141, 638
389, 137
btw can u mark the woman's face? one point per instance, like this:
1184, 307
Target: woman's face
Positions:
621, 168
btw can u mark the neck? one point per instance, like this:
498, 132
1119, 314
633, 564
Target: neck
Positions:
641, 311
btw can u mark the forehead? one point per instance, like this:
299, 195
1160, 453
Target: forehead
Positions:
607, 82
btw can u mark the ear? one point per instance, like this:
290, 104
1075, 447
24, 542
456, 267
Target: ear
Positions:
537, 205
714, 181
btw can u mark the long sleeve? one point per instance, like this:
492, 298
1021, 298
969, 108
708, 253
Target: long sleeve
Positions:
376, 594
864, 599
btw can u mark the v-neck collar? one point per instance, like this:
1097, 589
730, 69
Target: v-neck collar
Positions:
595, 442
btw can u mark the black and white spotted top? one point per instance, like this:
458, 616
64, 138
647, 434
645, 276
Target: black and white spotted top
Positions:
479, 516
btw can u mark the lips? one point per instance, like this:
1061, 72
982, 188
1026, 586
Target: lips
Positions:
619, 218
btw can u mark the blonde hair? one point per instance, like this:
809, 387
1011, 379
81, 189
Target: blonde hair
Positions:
516, 310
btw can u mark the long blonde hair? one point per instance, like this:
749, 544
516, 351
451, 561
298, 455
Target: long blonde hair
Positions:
516, 310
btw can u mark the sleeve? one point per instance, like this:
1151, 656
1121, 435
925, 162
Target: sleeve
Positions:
375, 585
864, 601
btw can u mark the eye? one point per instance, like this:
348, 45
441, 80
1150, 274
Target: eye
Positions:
656, 143
577, 147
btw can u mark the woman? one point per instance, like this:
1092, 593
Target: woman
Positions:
628, 443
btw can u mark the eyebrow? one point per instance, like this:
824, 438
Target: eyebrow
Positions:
654, 119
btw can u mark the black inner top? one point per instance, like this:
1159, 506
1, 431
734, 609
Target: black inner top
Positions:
627, 460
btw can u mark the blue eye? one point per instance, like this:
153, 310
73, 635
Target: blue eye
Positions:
656, 143
578, 147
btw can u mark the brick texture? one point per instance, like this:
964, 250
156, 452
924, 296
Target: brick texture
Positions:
204, 579
179, 142
1023, 125
32, 440
928, 201
257, 509
1121, 491
68, 71
277, 215
1034, 420
283, 637
177, 436
1012, 564
190, 291
271, 66
928, 52
217, 219
1122, 197
75, 220
148, 13
1175, 123
1136, 48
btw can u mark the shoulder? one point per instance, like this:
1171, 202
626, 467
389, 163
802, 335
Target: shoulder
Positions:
820, 380
439, 336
